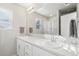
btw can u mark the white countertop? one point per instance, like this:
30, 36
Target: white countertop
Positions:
41, 43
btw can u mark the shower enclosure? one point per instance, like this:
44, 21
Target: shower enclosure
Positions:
68, 25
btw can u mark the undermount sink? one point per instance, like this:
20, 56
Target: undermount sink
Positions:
53, 44
61, 45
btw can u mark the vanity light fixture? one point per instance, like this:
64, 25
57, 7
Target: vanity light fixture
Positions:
30, 10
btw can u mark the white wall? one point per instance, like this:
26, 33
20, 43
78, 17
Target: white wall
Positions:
7, 37
54, 24
47, 26
19, 14
7, 42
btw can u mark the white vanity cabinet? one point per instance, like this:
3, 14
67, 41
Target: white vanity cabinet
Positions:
23, 48
26, 49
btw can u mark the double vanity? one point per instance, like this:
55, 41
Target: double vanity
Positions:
41, 46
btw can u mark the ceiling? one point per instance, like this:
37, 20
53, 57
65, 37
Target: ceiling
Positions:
45, 9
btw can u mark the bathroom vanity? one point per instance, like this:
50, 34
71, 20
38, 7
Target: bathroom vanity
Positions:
30, 47
36, 46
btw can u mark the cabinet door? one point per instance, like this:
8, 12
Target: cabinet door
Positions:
20, 47
35, 51
28, 49
40, 52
